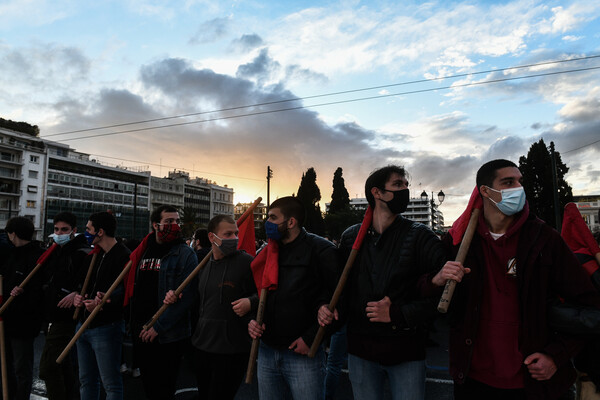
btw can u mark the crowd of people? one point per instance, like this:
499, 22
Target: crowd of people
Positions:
92, 287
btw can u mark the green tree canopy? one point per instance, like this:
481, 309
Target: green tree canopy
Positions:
536, 168
310, 194
22, 127
340, 200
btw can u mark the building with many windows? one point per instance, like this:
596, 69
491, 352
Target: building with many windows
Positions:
259, 213
22, 177
418, 210
589, 207
84, 186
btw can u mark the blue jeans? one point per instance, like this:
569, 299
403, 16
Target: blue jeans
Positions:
303, 375
338, 353
99, 356
407, 379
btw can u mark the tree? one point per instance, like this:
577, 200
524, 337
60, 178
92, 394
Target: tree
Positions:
340, 199
190, 222
309, 195
537, 181
22, 127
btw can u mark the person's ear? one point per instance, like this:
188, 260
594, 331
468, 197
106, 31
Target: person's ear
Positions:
376, 192
292, 222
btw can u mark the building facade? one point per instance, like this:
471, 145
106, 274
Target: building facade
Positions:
589, 207
259, 214
22, 178
84, 186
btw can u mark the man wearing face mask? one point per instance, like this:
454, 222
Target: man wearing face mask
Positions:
164, 264
221, 341
307, 275
99, 348
501, 345
63, 270
391, 295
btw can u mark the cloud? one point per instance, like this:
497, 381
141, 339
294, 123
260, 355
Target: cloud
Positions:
211, 31
247, 42
262, 68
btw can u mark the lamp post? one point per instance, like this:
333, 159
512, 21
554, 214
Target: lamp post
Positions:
441, 197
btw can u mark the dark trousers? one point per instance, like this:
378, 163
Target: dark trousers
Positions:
219, 375
475, 390
61, 379
19, 367
159, 366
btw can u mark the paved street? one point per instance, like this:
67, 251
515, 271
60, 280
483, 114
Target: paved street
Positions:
439, 385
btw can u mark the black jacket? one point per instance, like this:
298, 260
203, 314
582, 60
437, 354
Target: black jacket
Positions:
308, 272
23, 317
107, 268
219, 329
399, 264
63, 271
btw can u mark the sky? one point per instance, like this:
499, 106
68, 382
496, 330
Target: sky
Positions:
439, 87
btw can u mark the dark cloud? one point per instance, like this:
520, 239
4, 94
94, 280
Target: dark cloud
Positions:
536, 126
247, 42
510, 148
44, 66
297, 73
261, 68
211, 31
440, 172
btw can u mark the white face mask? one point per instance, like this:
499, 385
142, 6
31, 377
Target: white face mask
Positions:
513, 200
61, 239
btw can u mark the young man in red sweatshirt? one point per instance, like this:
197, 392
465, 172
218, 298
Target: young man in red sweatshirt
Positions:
500, 343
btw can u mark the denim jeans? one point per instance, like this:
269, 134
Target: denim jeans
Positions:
99, 355
280, 369
407, 379
338, 353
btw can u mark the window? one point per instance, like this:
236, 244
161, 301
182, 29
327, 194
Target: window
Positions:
34, 159
32, 189
30, 204
33, 174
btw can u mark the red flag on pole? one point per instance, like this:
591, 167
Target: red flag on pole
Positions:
265, 267
46, 254
578, 236
364, 228
246, 237
135, 258
460, 225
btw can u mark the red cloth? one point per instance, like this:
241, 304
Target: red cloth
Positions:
265, 267
459, 226
46, 254
246, 237
364, 228
578, 236
135, 258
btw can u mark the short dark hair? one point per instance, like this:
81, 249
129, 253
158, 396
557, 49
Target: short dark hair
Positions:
66, 217
213, 224
156, 215
201, 235
290, 206
379, 177
20, 226
487, 172
104, 220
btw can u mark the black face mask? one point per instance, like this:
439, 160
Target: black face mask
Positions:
399, 203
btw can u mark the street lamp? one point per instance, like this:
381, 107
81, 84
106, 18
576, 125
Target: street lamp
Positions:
441, 196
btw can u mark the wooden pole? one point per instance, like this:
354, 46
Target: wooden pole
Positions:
460, 257
96, 310
196, 270
22, 285
178, 291
255, 342
86, 282
3, 351
334, 300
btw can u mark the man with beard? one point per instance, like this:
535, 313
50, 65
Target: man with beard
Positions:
307, 277
164, 263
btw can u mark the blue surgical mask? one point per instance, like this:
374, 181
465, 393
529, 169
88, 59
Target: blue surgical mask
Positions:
513, 200
61, 239
90, 238
273, 232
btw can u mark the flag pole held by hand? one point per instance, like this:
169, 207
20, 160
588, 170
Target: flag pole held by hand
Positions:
3, 351
366, 224
96, 310
255, 342
86, 282
460, 257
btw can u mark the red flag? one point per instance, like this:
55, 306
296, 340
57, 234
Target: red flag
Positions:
135, 257
578, 236
246, 238
265, 267
460, 225
46, 254
364, 227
